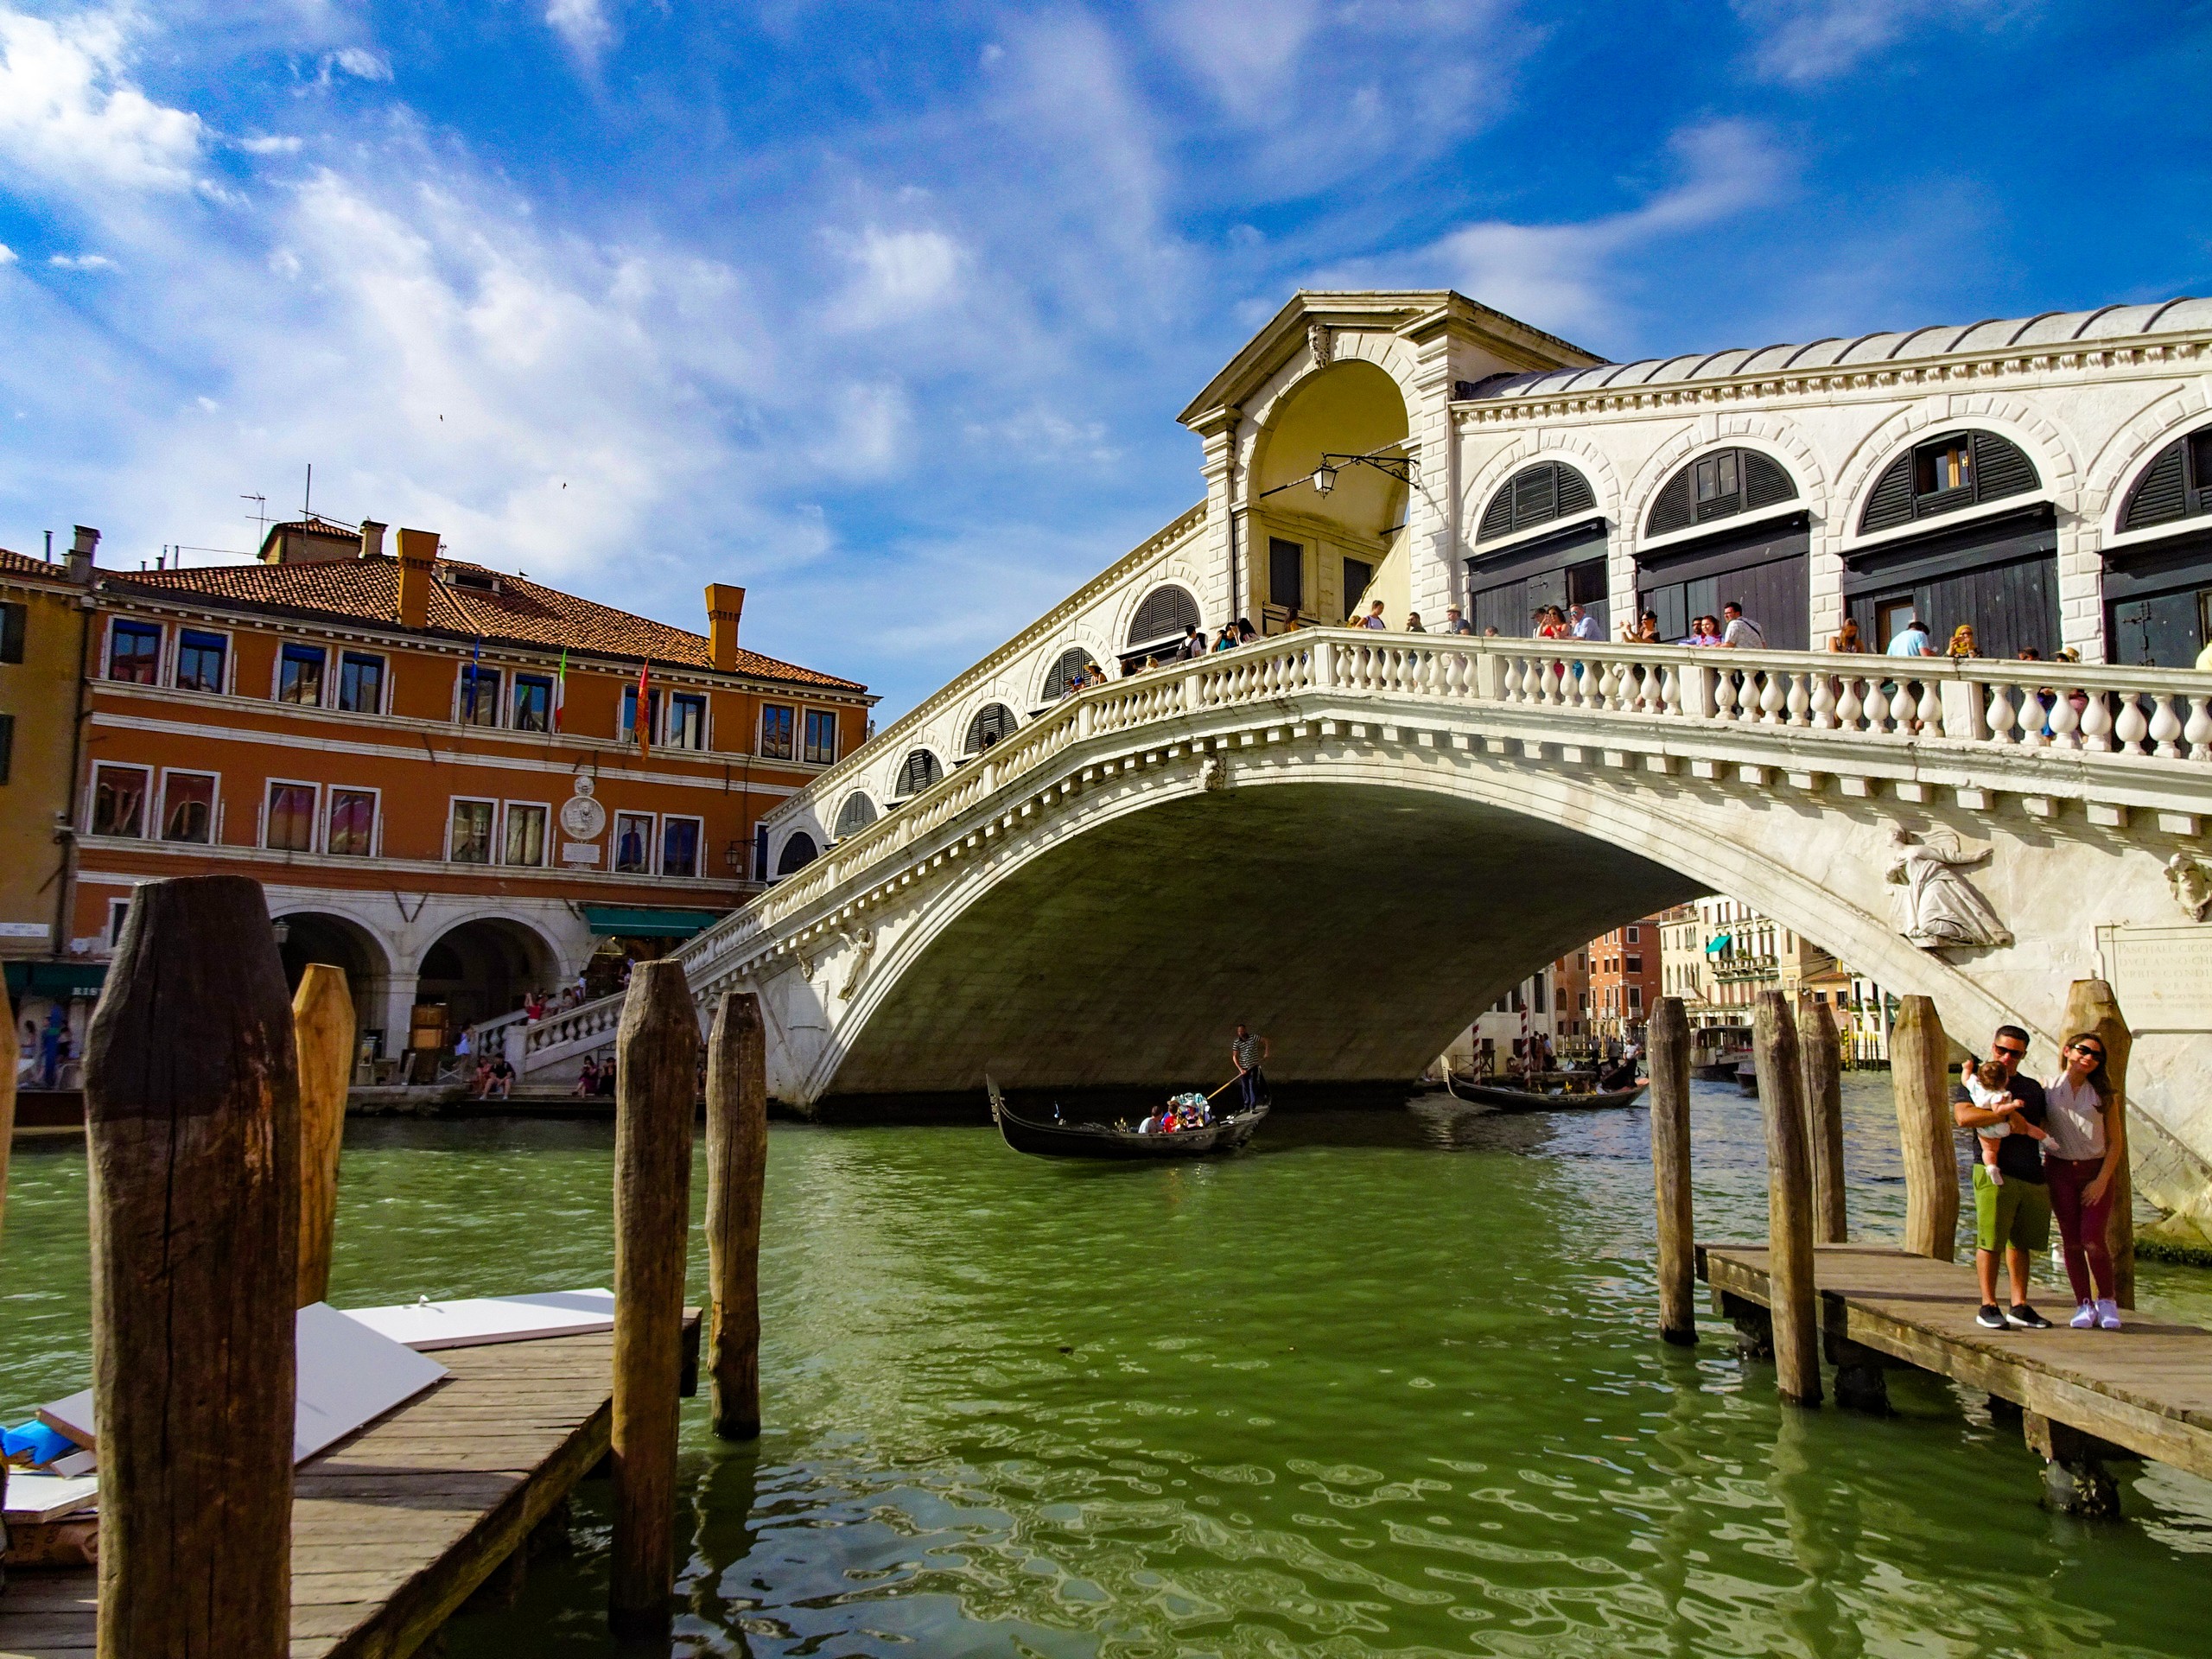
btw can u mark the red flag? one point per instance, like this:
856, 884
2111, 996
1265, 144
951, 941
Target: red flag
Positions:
645, 709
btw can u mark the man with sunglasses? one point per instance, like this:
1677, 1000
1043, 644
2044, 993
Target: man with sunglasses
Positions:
2014, 1216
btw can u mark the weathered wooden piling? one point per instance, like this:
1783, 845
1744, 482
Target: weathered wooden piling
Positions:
2090, 1006
657, 1058
1821, 1053
192, 1113
1919, 1063
737, 1164
1668, 1034
322, 1034
1790, 1201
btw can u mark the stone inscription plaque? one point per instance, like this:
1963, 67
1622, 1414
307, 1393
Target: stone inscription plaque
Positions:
2162, 975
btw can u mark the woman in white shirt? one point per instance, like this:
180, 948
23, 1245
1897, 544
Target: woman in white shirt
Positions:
2080, 1160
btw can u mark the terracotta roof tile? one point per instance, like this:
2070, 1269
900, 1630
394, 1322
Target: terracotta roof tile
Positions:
522, 611
21, 564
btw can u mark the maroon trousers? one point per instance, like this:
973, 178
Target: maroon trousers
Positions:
2080, 1225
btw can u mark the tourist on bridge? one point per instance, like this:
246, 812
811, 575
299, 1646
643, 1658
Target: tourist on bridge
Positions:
1373, 618
1911, 641
1455, 623
1741, 634
2082, 1159
2013, 1218
1846, 638
1581, 625
1249, 1052
1413, 623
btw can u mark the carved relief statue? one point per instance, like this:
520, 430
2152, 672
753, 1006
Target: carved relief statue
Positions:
1935, 904
1214, 772
1316, 341
2192, 885
862, 943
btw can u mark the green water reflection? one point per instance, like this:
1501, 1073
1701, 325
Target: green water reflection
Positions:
1385, 1385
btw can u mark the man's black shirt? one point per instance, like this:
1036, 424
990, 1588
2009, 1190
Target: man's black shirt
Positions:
2019, 1156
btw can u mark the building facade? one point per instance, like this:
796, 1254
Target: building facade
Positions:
1719, 954
1623, 980
460, 785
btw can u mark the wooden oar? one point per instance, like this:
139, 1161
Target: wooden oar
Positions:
1225, 1086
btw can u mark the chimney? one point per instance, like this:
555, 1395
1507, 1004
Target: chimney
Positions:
419, 556
80, 555
371, 539
725, 604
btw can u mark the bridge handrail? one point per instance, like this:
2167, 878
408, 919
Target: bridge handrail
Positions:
2161, 713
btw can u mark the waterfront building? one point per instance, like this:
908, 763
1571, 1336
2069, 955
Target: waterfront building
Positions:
1623, 980
458, 785
1718, 954
1571, 992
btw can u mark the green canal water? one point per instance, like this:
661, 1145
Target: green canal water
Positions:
1385, 1385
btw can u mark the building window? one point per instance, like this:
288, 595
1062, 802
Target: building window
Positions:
134, 652
200, 660
188, 807
679, 846
291, 818
479, 696
1634, 998
1636, 964
299, 676
1635, 935
1070, 673
1285, 573
629, 733
821, 737
533, 703
917, 773
12, 619
353, 823
857, 813
775, 731
798, 853
471, 842
360, 684
525, 834
1958, 469
119, 800
2177, 483
993, 722
1535, 495
1359, 573
687, 720
634, 842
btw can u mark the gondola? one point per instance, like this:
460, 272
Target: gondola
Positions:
1509, 1099
1043, 1140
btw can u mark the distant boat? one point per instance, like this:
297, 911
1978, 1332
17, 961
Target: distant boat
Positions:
1043, 1140
1506, 1098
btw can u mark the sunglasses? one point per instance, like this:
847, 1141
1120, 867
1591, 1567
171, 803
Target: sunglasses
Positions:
2012, 1053
2093, 1053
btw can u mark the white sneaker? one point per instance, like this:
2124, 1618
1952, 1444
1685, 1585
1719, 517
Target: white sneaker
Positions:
2085, 1316
2107, 1314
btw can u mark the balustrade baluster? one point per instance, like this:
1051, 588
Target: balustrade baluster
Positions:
2165, 726
2096, 724
1799, 698
1724, 695
1670, 689
1822, 702
1771, 698
2065, 720
1902, 705
1512, 679
2132, 725
2000, 714
1848, 707
2198, 731
1929, 713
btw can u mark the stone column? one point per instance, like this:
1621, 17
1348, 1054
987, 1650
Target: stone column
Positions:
1223, 594
1433, 503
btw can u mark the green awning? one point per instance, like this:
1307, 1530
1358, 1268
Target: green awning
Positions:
646, 922
1717, 943
56, 978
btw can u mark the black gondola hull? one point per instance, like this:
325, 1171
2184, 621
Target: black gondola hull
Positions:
1526, 1100
1098, 1141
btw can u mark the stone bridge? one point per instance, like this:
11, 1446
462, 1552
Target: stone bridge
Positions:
1356, 841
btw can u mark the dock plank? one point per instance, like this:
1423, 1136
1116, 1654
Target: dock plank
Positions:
2147, 1388
392, 1528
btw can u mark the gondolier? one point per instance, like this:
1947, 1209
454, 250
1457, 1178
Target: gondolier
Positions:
1248, 1053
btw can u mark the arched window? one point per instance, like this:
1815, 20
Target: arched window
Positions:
1943, 474
2177, 483
1535, 495
798, 852
917, 773
856, 814
1166, 612
1067, 672
993, 721
1718, 486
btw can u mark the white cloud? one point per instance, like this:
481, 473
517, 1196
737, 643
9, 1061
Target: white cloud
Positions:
269, 145
899, 275
1562, 277
361, 63
7, 254
67, 117
1806, 40
583, 25
80, 262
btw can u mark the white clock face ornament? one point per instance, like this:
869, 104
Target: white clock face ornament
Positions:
580, 815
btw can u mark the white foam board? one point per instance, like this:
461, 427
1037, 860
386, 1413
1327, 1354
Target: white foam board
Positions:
476, 1321
33, 1498
348, 1375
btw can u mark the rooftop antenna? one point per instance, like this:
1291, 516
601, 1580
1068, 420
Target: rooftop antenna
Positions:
260, 514
50, 547
307, 507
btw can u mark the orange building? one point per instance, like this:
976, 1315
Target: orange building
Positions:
436, 769
1624, 979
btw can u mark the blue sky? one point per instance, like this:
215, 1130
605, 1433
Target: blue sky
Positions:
885, 311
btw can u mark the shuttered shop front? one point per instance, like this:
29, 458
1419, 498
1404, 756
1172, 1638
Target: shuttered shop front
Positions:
1566, 567
1765, 567
1999, 574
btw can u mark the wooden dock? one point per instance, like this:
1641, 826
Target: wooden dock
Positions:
393, 1528
2084, 1395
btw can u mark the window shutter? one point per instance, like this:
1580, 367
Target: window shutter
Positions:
798, 853
1891, 502
1764, 482
2000, 469
1497, 517
919, 773
1164, 611
2159, 494
1674, 507
1574, 493
1536, 496
991, 723
857, 813
1071, 663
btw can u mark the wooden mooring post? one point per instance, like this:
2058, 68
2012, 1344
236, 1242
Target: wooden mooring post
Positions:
1668, 1034
1793, 1305
322, 1034
1822, 1052
657, 1058
191, 1113
737, 1163
2091, 1007
1919, 1064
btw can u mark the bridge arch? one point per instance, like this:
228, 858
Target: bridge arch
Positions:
484, 965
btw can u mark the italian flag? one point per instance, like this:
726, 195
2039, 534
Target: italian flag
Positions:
561, 687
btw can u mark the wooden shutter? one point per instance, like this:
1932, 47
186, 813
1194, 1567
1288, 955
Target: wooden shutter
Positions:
1535, 495
919, 772
1285, 573
1765, 482
2000, 469
1071, 663
991, 723
1575, 495
1165, 611
857, 813
1498, 516
2161, 494
1891, 502
1674, 507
